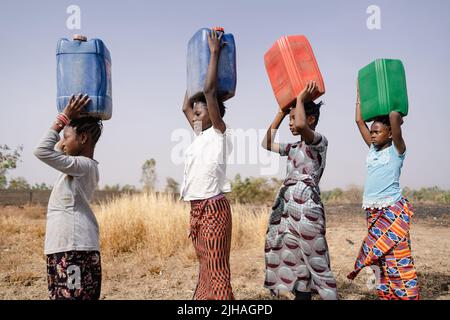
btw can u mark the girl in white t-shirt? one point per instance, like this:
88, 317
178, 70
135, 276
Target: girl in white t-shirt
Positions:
205, 183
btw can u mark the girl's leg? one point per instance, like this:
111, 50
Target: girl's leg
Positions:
318, 262
201, 291
314, 248
384, 289
401, 272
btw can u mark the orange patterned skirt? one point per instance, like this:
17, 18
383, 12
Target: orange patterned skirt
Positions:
387, 249
211, 237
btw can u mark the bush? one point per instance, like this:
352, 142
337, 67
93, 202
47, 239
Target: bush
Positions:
254, 190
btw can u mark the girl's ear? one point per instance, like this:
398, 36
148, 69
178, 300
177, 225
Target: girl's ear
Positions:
83, 138
311, 120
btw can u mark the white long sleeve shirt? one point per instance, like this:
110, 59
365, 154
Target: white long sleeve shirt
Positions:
71, 223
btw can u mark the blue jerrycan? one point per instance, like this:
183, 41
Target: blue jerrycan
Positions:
198, 56
84, 67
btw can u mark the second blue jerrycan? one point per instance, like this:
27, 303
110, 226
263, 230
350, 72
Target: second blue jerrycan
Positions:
84, 67
198, 56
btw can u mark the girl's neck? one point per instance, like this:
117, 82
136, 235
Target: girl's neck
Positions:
89, 153
301, 138
385, 146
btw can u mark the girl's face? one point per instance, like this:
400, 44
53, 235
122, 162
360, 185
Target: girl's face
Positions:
309, 120
72, 144
201, 120
291, 123
380, 134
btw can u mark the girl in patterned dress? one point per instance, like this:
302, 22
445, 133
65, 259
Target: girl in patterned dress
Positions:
296, 250
387, 246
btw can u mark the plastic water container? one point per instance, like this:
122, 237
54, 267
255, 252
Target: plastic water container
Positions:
198, 56
290, 64
84, 67
382, 89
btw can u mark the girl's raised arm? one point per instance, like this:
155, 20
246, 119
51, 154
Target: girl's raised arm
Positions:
188, 110
45, 151
300, 121
396, 121
268, 143
210, 89
362, 126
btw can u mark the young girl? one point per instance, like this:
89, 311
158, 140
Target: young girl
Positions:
297, 257
387, 245
71, 239
205, 183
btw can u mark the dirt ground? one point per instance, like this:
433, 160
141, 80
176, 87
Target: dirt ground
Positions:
139, 275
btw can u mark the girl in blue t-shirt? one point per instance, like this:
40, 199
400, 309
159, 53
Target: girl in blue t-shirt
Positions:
387, 246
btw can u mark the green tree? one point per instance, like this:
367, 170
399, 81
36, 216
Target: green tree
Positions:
148, 177
129, 188
19, 183
172, 186
41, 186
8, 161
113, 188
118, 188
254, 190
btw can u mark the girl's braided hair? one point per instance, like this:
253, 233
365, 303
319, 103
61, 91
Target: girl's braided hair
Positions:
90, 125
384, 120
313, 109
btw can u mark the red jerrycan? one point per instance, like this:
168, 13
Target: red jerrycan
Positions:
290, 64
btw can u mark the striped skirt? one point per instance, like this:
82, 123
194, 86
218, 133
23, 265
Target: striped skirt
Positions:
387, 248
211, 237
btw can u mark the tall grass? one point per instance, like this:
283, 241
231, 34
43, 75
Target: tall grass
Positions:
159, 224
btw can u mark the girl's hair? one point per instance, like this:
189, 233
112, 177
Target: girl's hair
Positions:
90, 125
222, 106
383, 120
313, 109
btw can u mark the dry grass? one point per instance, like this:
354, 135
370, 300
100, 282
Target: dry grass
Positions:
159, 224
146, 253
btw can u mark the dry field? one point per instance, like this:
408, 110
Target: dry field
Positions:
146, 253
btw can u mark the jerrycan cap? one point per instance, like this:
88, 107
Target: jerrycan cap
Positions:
221, 29
79, 37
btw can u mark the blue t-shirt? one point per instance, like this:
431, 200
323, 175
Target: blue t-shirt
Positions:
382, 187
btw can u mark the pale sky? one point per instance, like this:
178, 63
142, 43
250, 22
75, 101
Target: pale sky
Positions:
148, 42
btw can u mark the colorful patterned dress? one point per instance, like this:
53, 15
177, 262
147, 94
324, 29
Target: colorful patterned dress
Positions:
296, 251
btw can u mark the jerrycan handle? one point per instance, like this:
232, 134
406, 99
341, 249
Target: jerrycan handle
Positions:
79, 37
220, 29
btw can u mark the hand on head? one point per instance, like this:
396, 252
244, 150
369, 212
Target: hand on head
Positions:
284, 112
76, 105
309, 92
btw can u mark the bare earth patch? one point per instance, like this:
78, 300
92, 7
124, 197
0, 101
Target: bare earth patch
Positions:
143, 271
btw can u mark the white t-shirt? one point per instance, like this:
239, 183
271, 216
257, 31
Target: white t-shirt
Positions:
206, 165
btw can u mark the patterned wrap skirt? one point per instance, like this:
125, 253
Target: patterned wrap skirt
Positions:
211, 227
74, 275
387, 249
